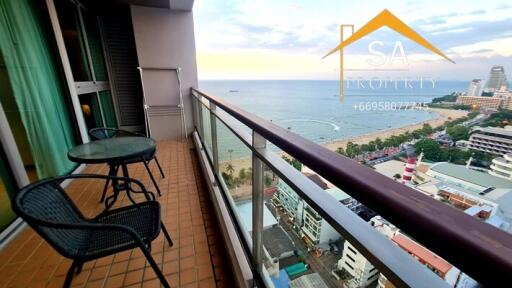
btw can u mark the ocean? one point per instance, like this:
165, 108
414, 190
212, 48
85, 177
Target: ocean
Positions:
313, 110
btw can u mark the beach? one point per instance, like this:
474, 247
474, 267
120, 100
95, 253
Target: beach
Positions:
443, 115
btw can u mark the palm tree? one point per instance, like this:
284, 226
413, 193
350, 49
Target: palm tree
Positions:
230, 169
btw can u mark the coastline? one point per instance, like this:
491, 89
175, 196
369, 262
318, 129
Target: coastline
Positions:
443, 115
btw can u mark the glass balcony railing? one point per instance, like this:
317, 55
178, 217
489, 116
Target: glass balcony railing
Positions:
282, 245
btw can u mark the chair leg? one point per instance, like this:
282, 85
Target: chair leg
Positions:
79, 267
152, 178
155, 267
159, 167
104, 191
166, 234
69, 275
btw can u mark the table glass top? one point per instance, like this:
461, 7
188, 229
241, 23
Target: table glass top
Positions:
112, 149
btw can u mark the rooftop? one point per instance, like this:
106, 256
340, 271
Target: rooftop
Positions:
338, 194
316, 179
507, 131
422, 253
471, 176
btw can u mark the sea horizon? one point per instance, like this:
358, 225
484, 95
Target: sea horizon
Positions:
312, 108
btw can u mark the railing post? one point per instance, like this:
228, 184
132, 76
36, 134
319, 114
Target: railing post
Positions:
200, 116
258, 142
195, 110
215, 152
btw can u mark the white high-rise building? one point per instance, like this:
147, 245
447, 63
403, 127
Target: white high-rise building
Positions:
354, 263
497, 79
474, 87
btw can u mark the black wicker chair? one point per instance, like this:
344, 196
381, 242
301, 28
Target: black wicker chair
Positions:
105, 133
45, 206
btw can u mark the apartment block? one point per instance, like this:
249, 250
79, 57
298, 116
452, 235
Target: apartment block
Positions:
354, 263
474, 87
480, 102
492, 140
502, 166
315, 230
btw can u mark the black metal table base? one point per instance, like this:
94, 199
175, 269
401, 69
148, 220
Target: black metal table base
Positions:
127, 187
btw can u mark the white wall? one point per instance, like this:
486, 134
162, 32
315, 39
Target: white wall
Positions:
165, 38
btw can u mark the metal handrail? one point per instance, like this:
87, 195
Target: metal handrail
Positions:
482, 251
398, 266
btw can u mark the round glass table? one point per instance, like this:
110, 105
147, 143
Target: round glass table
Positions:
117, 152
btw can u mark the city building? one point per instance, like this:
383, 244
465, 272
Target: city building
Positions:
480, 102
502, 166
315, 230
469, 179
362, 272
464, 188
474, 87
291, 202
506, 95
492, 140
497, 79
438, 265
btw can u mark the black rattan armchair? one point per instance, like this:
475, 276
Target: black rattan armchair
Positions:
105, 133
46, 207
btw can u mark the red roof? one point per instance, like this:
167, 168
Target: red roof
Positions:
422, 253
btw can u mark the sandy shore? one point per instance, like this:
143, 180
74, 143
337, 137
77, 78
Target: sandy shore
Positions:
443, 115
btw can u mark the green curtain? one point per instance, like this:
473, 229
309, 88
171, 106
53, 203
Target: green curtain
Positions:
36, 86
108, 109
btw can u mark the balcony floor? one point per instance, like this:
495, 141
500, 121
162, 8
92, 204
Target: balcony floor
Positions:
197, 258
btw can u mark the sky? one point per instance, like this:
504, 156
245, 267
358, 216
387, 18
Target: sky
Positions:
286, 39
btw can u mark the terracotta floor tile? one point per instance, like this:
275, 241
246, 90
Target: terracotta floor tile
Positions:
207, 283
118, 268
115, 281
28, 261
99, 273
135, 264
134, 277
188, 276
186, 251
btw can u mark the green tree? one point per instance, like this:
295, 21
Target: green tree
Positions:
230, 169
379, 144
458, 132
427, 129
430, 148
292, 161
352, 149
372, 146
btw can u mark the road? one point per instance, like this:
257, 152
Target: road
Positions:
322, 265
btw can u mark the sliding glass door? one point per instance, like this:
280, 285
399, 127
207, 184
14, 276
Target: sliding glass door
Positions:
82, 38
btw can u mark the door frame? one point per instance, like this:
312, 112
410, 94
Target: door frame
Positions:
57, 32
15, 163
